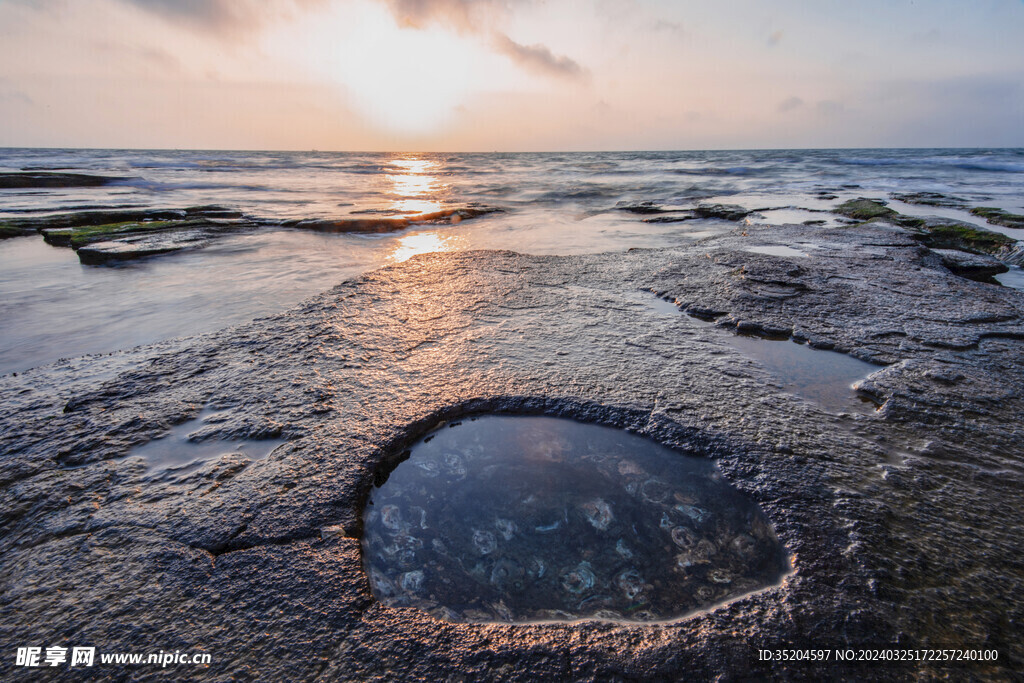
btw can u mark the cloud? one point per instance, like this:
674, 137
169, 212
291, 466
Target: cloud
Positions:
822, 107
830, 108
672, 27
475, 16
539, 59
15, 97
790, 103
463, 15
223, 15
202, 12
151, 56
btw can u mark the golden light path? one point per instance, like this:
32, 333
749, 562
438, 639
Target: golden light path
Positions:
423, 243
413, 177
413, 185
415, 188
414, 206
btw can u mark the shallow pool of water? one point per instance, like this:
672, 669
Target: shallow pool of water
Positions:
53, 307
535, 518
185, 445
1012, 278
826, 377
779, 250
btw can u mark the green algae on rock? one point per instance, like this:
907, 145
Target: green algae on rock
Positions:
864, 209
28, 226
127, 242
104, 236
932, 231
81, 236
941, 233
999, 217
381, 224
7, 231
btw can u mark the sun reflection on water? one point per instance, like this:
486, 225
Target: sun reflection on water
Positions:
416, 189
414, 184
415, 165
412, 206
424, 243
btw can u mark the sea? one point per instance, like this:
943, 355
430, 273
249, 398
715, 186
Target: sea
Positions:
52, 307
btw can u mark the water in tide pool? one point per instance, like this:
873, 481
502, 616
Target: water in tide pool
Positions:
519, 519
187, 446
53, 307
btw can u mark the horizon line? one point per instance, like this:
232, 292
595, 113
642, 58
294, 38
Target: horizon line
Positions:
590, 151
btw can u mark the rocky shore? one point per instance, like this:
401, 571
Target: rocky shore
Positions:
103, 237
902, 523
119, 235
29, 179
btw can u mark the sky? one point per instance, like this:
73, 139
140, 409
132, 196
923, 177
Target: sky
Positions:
511, 75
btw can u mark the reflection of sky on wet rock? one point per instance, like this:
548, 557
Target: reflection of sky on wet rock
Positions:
535, 518
196, 441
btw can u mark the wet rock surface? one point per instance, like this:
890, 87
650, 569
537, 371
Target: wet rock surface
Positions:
379, 224
646, 207
724, 212
39, 179
82, 219
945, 233
934, 231
101, 237
143, 239
973, 266
903, 523
8, 231
931, 199
106, 236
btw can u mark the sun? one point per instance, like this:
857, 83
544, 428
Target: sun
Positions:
407, 80
410, 80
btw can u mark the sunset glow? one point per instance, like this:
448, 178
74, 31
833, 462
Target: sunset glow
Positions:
483, 75
404, 80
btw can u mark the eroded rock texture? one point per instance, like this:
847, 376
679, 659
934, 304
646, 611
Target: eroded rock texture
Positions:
904, 524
